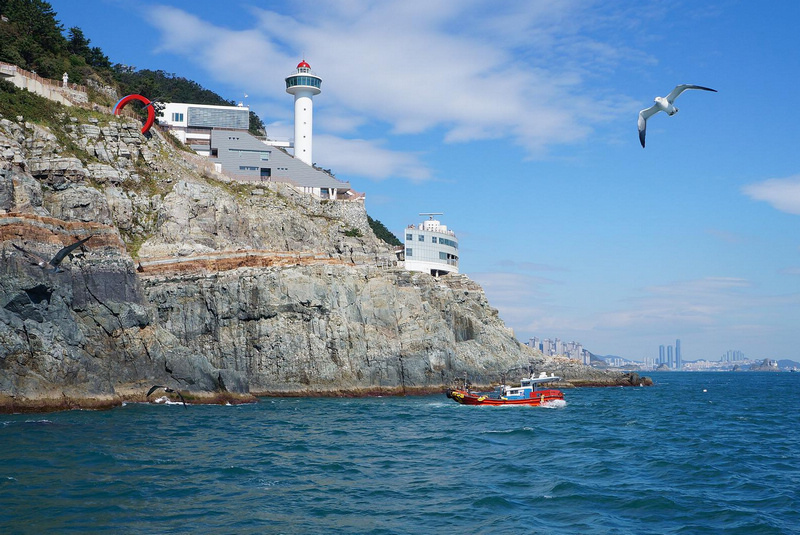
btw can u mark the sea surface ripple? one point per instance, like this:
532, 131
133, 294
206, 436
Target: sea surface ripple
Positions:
696, 453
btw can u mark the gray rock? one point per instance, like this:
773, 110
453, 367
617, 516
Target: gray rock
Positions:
235, 289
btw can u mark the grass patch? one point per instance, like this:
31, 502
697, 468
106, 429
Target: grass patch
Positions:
240, 190
176, 143
15, 102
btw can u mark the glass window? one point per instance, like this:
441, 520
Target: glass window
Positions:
408, 251
409, 236
433, 239
421, 237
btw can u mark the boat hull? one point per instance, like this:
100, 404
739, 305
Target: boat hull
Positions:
539, 397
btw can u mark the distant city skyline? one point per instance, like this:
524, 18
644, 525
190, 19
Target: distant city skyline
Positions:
672, 359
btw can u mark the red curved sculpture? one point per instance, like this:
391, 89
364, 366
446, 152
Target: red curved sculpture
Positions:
151, 112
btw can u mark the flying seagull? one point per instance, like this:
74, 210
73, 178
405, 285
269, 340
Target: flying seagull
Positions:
665, 104
53, 264
166, 389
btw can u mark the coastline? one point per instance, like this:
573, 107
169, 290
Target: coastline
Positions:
55, 403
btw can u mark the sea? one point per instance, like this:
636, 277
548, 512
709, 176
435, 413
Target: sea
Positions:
696, 453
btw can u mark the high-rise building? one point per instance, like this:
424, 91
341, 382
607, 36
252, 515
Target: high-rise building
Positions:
662, 357
670, 358
678, 359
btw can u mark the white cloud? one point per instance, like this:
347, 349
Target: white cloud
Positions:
685, 304
782, 193
367, 158
473, 70
524, 301
713, 308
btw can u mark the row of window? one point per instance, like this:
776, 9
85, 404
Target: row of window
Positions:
312, 81
434, 239
264, 155
450, 259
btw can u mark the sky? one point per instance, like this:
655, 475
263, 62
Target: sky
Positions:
517, 121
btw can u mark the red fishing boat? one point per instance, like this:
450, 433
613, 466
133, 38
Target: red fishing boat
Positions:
524, 394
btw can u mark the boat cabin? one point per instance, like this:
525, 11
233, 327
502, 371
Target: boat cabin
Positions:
526, 388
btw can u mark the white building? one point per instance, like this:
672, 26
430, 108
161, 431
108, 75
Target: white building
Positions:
221, 134
192, 123
303, 84
431, 248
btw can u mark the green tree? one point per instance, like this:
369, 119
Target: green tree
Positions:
77, 43
37, 38
257, 127
382, 232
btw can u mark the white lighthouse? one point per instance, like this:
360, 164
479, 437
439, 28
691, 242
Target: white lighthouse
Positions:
303, 85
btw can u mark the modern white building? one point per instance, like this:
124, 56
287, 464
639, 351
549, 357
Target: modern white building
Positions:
303, 84
192, 123
430, 247
246, 158
221, 134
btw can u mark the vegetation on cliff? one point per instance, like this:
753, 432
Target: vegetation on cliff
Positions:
382, 232
32, 38
35, 40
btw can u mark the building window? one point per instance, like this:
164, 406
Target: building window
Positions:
408, 251
311, 81
442, 256
409, 236
421, 237
433, 239
177, 117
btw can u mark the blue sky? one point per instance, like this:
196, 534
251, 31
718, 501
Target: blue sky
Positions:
517, 120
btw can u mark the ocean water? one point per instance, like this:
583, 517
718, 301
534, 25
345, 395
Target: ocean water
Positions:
697, 453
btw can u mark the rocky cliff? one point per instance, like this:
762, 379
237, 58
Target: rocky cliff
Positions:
213, 287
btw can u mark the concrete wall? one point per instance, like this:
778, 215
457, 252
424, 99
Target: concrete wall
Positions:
49, 89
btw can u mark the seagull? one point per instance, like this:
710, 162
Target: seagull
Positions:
166, 389
53, 264
665, 104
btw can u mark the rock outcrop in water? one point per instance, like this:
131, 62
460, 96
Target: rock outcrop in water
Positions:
219, 289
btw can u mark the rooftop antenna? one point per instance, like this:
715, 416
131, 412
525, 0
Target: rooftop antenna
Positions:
431, 214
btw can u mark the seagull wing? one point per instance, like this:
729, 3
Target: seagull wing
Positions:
683, 87
156, 387
66, 250
33, 257
643, 116
181, 396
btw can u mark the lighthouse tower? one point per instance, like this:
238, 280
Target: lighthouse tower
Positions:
303, 85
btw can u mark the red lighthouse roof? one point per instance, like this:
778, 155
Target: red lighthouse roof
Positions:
303, 64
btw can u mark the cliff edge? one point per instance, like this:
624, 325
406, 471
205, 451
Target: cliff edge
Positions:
219, 289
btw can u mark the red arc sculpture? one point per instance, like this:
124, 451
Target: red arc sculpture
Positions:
151, 112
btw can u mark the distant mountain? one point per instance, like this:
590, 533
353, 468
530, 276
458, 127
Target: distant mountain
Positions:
600, 359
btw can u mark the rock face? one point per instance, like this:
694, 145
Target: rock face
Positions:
337, 327
765, 365
213, 287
